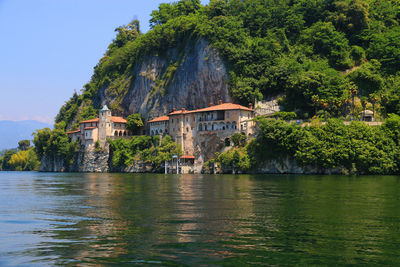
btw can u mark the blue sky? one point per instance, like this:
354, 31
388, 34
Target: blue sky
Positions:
49, 48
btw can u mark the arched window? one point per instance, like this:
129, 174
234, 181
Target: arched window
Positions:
124, 133
116, 133
120, 133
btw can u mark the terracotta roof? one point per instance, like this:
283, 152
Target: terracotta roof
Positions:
72, 132
187, 157
92, 120
223, 106
163, 118
89, 128
113, 118
118, 119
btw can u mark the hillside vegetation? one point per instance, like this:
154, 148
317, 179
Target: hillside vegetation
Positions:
318, 54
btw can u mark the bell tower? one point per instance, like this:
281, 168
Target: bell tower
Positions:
105, 127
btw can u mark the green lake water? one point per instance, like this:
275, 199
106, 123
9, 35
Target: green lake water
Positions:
190, 220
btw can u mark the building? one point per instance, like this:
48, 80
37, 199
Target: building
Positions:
367, 115
189, 127
158, 125
99, 129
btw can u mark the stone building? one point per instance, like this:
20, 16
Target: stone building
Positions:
158, 125
189, 127
99, 129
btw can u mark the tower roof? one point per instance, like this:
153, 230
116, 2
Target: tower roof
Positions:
105, 108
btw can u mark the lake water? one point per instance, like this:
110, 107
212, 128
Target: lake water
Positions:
214, 220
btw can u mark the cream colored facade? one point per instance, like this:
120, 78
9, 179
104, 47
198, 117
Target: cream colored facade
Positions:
99, 129
159, 126
221, 121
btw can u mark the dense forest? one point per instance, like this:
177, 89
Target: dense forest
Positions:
320, 56
348, 149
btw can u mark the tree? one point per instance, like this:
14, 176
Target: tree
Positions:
166, 12
40, 140
125, 34
6, 160
239, 139
24, 145
134, 123
326, 41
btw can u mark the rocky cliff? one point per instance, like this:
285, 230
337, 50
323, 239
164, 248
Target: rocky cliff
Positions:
191, 77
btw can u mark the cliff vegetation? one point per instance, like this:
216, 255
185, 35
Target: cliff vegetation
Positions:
350, 149
320, 55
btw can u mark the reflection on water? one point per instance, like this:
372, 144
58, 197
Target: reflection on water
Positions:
149, 219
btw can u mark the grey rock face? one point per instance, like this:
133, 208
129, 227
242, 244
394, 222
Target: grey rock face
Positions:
52, 164
95, 161
190, 78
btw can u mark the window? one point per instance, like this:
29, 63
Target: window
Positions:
187, 129
227, 114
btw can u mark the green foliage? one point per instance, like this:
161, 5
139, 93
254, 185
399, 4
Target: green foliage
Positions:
286, 116
367, 78
54, 143
6, 160
24, 160
355, 148
144, 148
125, 34
167, 12
236, 158
357, 53
97, 146
302, 49
239, 139
135, 122
24, 145
326, 41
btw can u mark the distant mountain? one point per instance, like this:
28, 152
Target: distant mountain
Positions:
11, 132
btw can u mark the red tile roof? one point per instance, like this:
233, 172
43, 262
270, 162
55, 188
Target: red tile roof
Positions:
187, 157
72, 132
118, 119
163, 118
113, 118
90, 128
223, 106
92, 120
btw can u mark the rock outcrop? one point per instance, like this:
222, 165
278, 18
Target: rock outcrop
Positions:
91, 160
189, 79
52, 164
